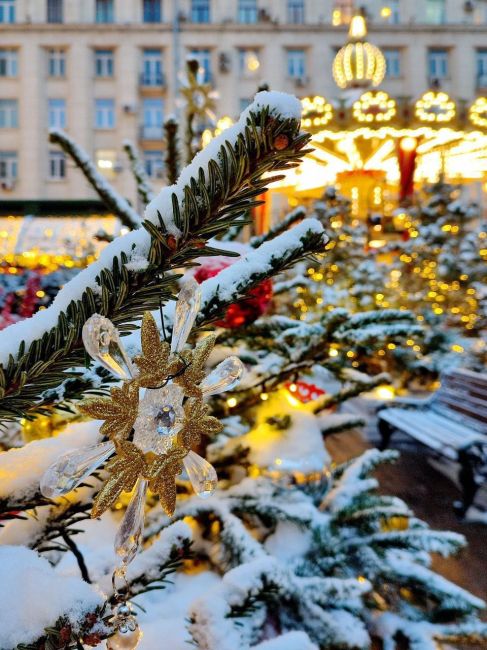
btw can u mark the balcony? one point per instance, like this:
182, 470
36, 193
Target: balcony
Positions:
152, 80
151, 132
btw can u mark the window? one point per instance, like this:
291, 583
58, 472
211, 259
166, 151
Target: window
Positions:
200, 11
248, 61
57, 113
481, 67
7, 11
8, 165
54, 11
9, 114
296, 64
203, 56
152, 11
393, 63
106, 161
435, 11
56, 62
247, 11
57, 165
153, 163
104, 11
391, 12
295, 12
8, 62
104, 114
104, 63
438, 64
152, 115
152, 67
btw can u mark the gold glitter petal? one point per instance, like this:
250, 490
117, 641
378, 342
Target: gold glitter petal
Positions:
125, 468
119, 410
154, 364
195, 373
163, 472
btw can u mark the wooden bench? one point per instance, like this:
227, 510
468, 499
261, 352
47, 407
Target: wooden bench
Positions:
452, 423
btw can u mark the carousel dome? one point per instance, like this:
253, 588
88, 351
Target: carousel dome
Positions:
358, 64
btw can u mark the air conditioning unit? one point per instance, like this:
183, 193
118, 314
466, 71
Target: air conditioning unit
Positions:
300, 82
117, 167
224, 62
130, 109
7, 184
159, 173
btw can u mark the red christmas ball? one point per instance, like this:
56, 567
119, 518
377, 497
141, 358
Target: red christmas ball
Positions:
238, 314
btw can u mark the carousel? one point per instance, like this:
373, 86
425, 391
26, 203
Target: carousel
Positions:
376, 148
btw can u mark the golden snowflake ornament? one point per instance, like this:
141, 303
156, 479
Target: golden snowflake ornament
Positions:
152, 420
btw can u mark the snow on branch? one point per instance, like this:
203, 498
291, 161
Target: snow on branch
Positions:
298, 214
269, 259
110, 197
36, 597
21, 469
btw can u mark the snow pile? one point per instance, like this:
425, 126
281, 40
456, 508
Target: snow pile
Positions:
21, 469
289, 641
33, 596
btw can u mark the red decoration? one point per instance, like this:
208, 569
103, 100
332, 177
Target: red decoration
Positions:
281, 142
246, 312
303, 391
406, 157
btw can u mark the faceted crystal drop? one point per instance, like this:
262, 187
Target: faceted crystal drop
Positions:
102, 342
225, 376
71, 469
187, 308
201, 474
160, 418
127, 539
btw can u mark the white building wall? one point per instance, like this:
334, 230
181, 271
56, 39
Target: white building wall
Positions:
461, 34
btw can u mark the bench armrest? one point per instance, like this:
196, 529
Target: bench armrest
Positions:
406, 402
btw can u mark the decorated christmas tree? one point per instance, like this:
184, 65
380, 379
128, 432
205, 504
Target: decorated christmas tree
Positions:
187, 494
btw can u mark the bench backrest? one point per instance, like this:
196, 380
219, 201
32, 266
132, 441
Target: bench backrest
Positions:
463, 396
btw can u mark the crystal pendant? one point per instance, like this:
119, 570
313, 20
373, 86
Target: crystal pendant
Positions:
201, 474
128, 535
72, 468
225, 376
160, 418
187, 308
102, 342
126, 637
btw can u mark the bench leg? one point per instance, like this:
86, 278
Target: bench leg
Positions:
469, 485
385, 431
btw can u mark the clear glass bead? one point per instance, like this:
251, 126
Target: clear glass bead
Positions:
102, 342
73, 468
187, 308
160, 418
129, 533
127, 637
225, 376
201, 474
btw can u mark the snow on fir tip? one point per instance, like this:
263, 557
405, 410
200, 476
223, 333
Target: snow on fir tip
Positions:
33, 595
136, 244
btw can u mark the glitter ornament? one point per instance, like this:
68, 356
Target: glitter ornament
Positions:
152, 421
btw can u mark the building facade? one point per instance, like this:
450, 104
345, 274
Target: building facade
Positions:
109, 70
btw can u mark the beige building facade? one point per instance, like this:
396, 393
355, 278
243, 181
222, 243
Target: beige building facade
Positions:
109, 70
